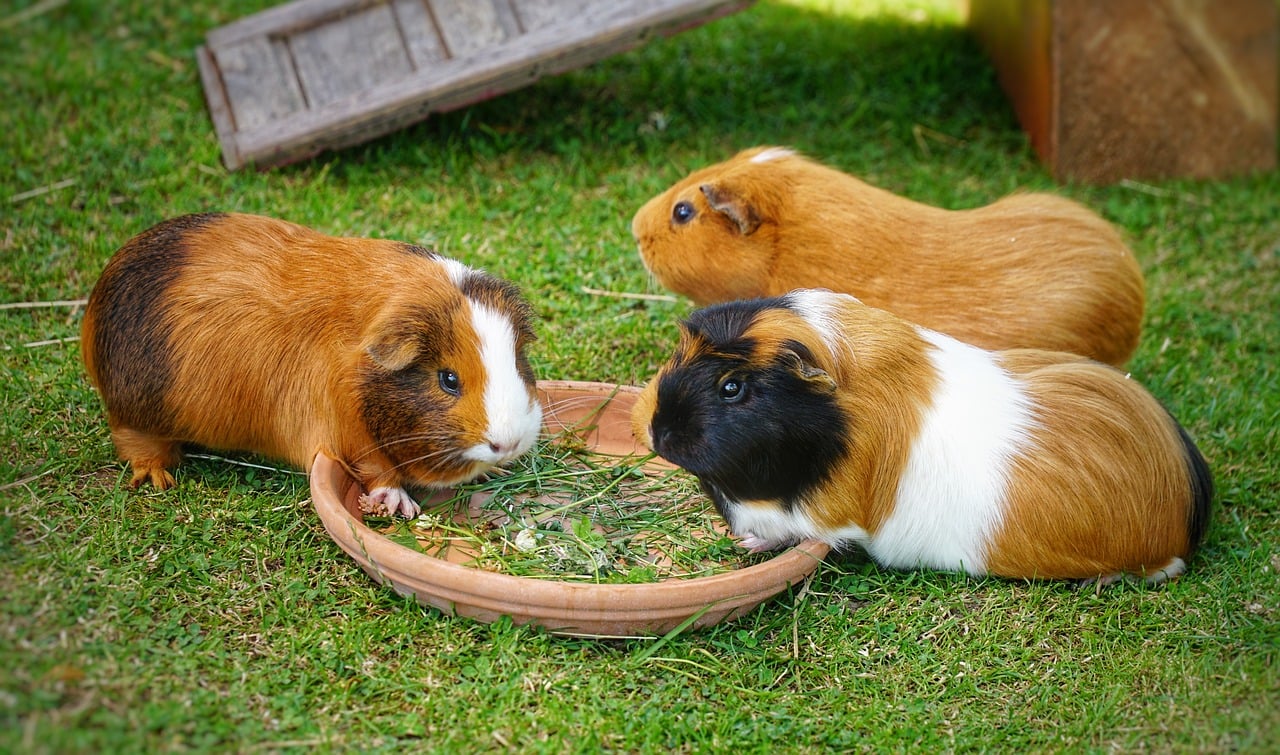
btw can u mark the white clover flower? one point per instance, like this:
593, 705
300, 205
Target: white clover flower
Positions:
526, 540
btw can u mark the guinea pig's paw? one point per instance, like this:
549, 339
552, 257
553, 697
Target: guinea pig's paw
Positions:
1174, 568
159, 477
1100, 581
756, 544
395, 501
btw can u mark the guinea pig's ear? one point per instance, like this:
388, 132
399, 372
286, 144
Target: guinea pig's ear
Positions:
816, 377
732, 204
398, 338
642, 413
390, 352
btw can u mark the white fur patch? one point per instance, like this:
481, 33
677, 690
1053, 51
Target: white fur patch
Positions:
765, 525
456, 271
514, 418
951, 496
818, 308
772, 153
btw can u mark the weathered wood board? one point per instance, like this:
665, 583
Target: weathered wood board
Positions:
313, 75
1116, 89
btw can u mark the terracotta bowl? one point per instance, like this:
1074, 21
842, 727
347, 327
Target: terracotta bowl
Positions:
570, 608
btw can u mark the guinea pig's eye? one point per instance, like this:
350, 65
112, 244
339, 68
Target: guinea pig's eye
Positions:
682, 213
732, 391
449, 382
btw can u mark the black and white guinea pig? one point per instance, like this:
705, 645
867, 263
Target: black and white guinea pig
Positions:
247, 333
813, 415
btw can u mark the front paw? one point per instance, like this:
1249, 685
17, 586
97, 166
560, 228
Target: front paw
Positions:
756, 544
394, 501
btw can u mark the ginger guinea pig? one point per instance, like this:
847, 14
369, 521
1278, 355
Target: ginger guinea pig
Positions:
246, 333
1029, 271
815, 416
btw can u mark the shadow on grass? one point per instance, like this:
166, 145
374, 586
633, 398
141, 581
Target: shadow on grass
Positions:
852, 89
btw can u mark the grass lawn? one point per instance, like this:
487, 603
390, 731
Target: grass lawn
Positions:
219, 616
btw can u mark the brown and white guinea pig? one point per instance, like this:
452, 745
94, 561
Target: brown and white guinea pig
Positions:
815, 416
1028, 271
247, 333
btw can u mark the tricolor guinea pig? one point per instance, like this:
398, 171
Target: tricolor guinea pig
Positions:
1028, 271
815, 416
247, 333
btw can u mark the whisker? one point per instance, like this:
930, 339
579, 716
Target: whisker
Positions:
552, 407
432, 456
433, 438
417, 460
593, 404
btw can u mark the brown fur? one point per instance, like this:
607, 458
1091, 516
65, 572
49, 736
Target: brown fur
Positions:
1028, 271
1104, 489
884, 383
266, 331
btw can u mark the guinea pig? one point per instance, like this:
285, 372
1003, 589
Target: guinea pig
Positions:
1028, 271
246, 333
813, 415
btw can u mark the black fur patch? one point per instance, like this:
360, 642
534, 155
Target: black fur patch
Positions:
1201, 491
397, 407
396, 404
418, 250
131, 339
777, 442
723, 327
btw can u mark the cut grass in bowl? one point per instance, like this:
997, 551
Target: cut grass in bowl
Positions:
564, 511
588, 536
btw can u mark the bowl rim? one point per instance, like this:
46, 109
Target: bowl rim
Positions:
548, 599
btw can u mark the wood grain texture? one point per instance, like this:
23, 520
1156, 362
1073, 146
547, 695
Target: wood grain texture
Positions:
336, 61
313, 75
259, 81
1116, 89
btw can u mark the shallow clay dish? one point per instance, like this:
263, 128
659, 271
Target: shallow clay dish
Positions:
598, 610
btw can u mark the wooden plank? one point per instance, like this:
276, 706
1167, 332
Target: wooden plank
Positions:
458, 82
539, 14
286, 19
260, 83
421, 36
219, 106
382, 93
346, 57
469, 26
